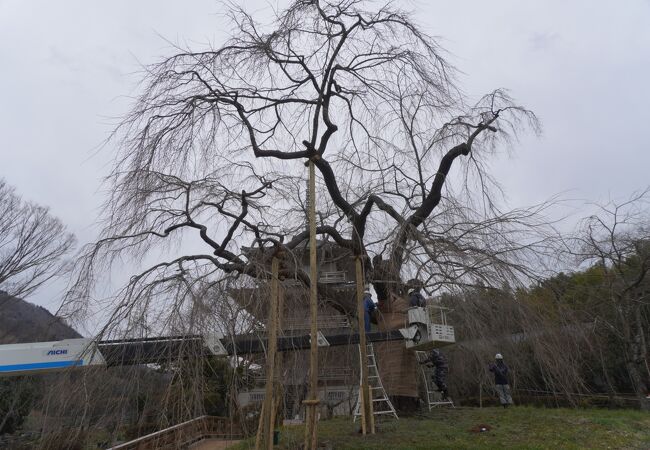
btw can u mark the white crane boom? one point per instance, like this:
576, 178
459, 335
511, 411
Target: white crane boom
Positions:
20, 359
37, 357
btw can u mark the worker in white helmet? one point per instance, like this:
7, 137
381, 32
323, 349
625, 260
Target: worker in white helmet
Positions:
369, 307
415, 298
500, 371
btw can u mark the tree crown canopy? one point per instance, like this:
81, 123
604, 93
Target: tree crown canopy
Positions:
217, 141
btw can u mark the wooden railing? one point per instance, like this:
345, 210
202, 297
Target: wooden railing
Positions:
335, 373
325, 373
183, 435
324, 322
325, 277
337, 276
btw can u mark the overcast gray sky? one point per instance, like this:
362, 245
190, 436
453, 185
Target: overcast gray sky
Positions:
68, 67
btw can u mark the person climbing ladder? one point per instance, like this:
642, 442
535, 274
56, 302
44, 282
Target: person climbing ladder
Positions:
438, 360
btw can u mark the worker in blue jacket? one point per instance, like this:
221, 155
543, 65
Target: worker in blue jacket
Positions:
368, 308
437, 360
500, 371
415, 298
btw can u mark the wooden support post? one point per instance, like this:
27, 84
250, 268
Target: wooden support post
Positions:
274, 408
265, 427
367, 424
260, 427
278, 391
312, 403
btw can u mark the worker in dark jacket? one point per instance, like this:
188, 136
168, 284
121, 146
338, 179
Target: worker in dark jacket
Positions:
501, 380
368, 308
438, 360
415, 298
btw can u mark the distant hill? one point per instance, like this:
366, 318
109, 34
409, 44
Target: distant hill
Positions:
21, 321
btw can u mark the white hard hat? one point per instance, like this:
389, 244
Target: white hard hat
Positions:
498, 356
411, 291
367, 291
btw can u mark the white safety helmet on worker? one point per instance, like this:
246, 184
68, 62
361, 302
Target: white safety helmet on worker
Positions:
498, 356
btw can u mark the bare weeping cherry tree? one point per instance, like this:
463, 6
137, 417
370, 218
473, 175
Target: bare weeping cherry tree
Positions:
210, 171
33, 244
616, 241
216, 144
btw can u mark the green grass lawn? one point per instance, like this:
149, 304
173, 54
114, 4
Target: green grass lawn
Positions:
518, 427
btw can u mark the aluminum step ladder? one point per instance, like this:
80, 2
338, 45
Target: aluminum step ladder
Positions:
381, 404
434, 397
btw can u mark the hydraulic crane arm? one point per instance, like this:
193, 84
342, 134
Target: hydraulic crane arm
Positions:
37, 357
21, 359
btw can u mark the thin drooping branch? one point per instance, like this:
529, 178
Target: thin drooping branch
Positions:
33, 244
432, 199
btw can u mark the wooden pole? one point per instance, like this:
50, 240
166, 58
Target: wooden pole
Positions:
364, 397
260, 427
277, 388
311, 404
265, 429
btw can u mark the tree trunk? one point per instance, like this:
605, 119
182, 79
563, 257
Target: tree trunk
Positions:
385, 279
640, 388
637, 364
